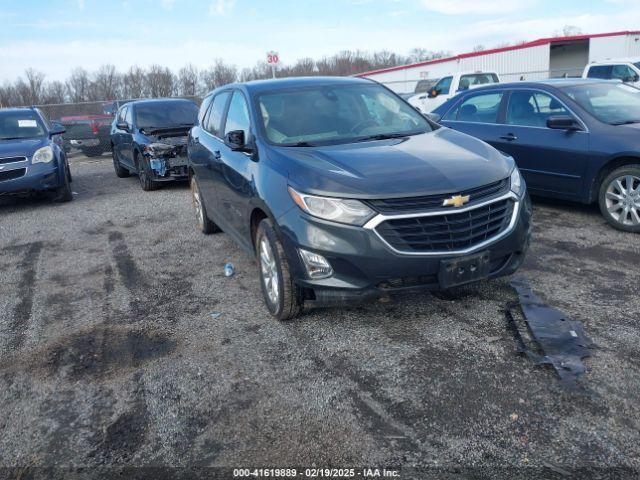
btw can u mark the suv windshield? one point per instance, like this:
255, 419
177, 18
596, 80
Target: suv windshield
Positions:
20, 124
326, 115
615, 104
165, 114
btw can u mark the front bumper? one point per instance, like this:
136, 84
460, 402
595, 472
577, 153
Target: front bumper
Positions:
366, 267
38, 177
166, 169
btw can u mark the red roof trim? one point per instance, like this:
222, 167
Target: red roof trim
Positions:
534, 43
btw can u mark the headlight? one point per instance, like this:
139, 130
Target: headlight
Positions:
159, 150
516, 181
352, 212
43, 155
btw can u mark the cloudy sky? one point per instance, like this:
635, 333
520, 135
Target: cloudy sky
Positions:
55, 35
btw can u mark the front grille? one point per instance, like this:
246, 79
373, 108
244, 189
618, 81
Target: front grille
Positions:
12, 174
447, 232
408, 204
12, 160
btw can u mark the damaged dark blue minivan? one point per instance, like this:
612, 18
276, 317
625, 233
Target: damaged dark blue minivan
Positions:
345, 193
149, 138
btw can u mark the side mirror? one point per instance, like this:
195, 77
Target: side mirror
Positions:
433, 93
563, 122
434, 117
236, 140
122, 126
631, 79
56, 129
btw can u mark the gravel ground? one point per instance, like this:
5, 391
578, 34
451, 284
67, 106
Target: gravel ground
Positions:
109, 354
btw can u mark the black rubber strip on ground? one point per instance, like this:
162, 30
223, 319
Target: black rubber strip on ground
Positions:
562, 342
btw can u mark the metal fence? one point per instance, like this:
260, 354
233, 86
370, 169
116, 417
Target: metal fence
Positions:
58, 111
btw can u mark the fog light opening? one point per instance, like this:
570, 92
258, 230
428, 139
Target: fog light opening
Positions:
317, 266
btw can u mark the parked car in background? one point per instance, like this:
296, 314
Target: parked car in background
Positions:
422, 86
149, 138
448, 86
345, 193
31, 159
91, 134
572, 139
626, 70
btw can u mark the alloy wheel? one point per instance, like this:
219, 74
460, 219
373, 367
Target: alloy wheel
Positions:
269, 271
623, 200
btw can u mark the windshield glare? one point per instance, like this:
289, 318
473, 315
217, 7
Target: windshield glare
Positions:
328, 115
164, 115
21, 124
614, 104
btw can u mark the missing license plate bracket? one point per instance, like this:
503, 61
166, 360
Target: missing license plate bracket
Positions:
459, 271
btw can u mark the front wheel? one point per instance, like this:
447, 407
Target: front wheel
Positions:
145, 176
282, 296
619, 198
64, 193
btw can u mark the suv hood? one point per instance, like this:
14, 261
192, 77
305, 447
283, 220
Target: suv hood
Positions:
442, 161
25, 147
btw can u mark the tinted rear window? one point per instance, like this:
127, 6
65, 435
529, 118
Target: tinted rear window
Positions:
166, 114
600, 71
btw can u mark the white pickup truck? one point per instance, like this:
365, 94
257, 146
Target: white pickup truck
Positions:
450, 85
624, 69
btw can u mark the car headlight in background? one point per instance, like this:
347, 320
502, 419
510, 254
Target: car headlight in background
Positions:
43, 155
516, 181
352, 212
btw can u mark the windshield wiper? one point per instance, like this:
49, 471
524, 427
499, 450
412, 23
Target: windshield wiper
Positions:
382, 136
15, 138
626, 122
300, 144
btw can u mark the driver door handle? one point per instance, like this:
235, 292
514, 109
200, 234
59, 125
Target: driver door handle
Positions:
510, 137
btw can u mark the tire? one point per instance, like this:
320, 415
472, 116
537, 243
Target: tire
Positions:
619, 198
205, 225
144, 175
284, 300
64, 193
121, 172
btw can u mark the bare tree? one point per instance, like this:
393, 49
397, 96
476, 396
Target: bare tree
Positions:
160, 82
478, 48
188, 81
78, 85
30, 90
8, 96
133, 83
571, 30
107, 83
54, 92
219, 74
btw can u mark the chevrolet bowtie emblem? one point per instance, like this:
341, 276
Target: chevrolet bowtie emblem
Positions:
456, 201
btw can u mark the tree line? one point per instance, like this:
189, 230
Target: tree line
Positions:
107, 83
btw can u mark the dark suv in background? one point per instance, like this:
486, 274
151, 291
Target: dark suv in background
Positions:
149, 138
345, 193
